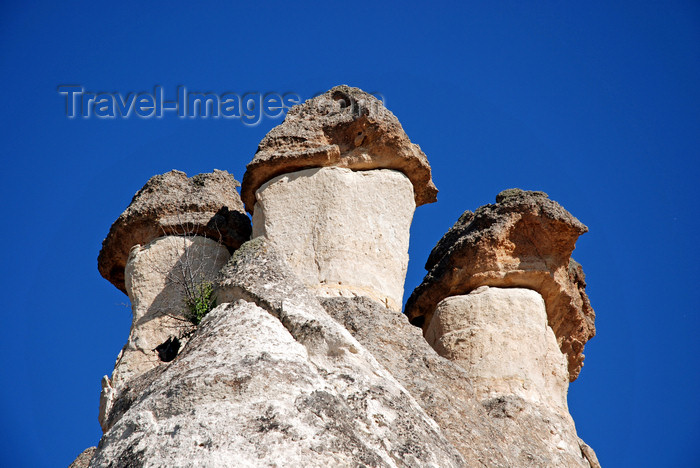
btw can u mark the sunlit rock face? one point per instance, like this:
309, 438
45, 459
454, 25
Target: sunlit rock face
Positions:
177, 231
270, 379
501, 338
205, 205
307, 360
503, 431
157, 277
524, 240
343, 232
334, 188
343, 127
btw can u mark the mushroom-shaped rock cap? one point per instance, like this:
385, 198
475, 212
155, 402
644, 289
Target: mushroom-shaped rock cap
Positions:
172, 204
524, 240
343, 127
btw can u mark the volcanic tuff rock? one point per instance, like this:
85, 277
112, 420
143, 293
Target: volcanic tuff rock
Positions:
307, 359
343, 232
501, 338
175, 234
524, 240
157, 276
172, 204
83, 459
505, 431
343, 127
271, 380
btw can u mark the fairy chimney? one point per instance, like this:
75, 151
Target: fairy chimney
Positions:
175, 235
334, 188
306, 358
504, 299
525, 240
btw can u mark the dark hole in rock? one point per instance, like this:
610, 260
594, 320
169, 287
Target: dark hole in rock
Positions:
418, 321
344, 99
168, 350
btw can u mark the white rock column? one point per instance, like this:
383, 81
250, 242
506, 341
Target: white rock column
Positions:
343, 232
501, 337
155, 275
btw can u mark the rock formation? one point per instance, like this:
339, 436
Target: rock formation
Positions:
83, 460
171, 204
505, 431
306, 358
334, 189
185, 226
344, 127
269, 379
524, 240
501, 338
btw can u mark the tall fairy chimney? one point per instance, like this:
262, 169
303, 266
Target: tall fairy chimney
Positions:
334, 188
176, 233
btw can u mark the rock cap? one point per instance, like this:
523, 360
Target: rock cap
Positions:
173, 204
343, 127
524, 240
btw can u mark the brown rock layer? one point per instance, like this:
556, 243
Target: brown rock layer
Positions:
173, 204
525, 240
343, 127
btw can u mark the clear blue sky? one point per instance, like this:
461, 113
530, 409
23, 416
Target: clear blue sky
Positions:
597, 105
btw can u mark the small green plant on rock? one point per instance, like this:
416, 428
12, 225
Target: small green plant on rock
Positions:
199, 301
189, 278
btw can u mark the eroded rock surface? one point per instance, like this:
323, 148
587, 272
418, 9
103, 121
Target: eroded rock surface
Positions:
501, 338
83, 460
158, 276
172, 204
524, 240
272, 380
504, 431
343, 232
343, 127
307, 360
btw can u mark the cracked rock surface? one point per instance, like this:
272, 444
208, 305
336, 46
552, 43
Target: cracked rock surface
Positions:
157, 275
506, 431
273, 377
